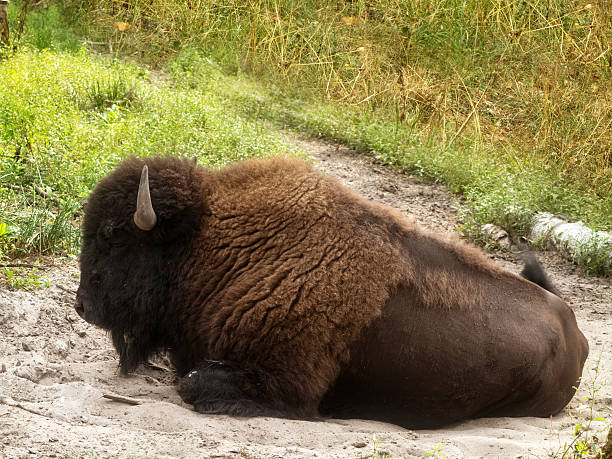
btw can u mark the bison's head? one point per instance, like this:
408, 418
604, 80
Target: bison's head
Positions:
138, 226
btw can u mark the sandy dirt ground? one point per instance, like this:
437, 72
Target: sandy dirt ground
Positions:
55, 368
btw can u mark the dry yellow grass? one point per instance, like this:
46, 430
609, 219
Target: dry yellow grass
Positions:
529, 80
506, 102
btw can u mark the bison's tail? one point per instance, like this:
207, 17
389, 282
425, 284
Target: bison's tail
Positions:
534, 272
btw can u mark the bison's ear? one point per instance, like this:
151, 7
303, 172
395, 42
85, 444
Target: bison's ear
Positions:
144, 217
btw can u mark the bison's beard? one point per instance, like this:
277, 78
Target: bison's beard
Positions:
131, 351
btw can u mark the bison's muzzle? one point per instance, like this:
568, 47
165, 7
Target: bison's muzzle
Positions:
84, 308
79, 307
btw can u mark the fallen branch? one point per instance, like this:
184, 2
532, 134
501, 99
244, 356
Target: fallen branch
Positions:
88, 42
122, 399
21, 265
36, 188
155, 366
66, 290
44, 194
10, 402
12, 186
149, 379
574, 240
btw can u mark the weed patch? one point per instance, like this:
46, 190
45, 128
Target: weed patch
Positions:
584, 443
25, 278
596, 255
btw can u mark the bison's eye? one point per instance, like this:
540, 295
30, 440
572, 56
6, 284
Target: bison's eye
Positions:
112, 235
106, 230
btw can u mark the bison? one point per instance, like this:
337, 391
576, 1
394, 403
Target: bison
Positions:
276, 291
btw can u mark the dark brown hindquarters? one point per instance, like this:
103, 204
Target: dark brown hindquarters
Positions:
426, 367
408, 369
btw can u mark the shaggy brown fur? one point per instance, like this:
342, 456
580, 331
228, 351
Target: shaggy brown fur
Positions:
275, 288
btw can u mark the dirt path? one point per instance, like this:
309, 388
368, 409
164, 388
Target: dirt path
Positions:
54, 369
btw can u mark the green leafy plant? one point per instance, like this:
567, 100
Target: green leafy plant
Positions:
3, 238
25, 278
583, 443
596, 255
435, 452
376, 452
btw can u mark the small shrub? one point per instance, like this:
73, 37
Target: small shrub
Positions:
596, 255
435, 452
112, 91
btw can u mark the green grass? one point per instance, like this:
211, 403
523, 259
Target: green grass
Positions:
505, 102
24, 278
67, 118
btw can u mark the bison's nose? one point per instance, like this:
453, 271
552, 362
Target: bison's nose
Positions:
79, 308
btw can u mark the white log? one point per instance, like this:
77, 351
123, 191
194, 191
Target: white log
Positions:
571, 239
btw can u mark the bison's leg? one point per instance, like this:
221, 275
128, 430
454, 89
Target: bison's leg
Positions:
219, 388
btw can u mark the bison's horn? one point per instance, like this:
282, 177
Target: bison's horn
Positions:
144, 217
